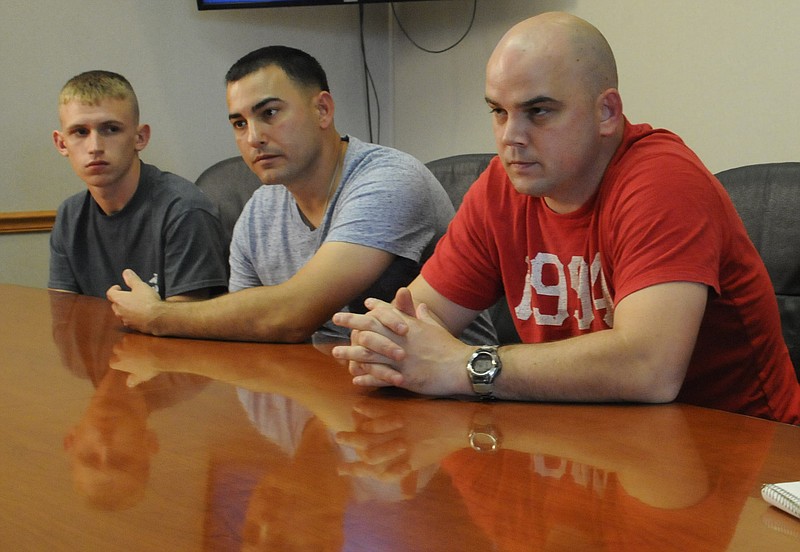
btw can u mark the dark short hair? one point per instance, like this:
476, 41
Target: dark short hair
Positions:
299, 66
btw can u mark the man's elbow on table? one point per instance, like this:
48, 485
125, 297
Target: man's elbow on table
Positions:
657, 381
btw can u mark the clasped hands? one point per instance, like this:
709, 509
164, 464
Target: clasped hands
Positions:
403, 345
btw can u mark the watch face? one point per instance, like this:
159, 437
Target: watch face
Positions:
482, 364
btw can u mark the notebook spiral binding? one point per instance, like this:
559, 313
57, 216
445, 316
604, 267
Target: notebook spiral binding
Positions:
781, 498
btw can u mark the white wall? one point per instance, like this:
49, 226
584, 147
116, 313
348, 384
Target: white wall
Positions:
724, 74
176, 58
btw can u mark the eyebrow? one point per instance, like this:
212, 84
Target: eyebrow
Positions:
257, 107
101, 123
527, 103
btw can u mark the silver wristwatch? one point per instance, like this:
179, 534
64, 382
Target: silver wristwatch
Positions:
483, 368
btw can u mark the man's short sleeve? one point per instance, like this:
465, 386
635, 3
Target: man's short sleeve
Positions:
194, 256
61, 276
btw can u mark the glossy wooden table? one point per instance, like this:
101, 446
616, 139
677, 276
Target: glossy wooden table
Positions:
235, 446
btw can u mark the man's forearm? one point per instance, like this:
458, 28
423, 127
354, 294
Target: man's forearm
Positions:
596, 367
246, 315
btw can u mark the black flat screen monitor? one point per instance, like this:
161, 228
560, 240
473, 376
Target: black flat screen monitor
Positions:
231, 4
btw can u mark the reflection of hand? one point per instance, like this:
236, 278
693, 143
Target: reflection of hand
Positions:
394, 442
270, 368
301, 372
382, 447
137, 307
138, 356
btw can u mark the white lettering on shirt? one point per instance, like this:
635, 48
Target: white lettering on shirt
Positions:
153, 282
582, 285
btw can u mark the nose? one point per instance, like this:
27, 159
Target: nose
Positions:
255, 134
95, 142
513, 132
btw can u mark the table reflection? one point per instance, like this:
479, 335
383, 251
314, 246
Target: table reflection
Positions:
110, 447
349, 469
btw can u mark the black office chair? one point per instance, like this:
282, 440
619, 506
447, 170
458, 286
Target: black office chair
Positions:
767, 197
457, 173
229, 184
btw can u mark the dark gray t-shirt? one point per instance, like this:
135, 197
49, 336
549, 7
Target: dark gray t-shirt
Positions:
168, 233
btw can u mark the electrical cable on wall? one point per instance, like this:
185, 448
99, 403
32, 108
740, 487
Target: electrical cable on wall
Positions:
456, 43
369, 83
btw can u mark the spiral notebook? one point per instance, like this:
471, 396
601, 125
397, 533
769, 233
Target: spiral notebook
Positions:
785, 496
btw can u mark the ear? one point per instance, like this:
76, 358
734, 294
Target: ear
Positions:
610, 108
323, 103
58, 141
142, 137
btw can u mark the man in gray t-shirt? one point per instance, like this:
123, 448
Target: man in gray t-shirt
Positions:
386, 200
337, 221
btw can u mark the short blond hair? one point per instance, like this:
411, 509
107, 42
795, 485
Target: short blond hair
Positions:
93, 86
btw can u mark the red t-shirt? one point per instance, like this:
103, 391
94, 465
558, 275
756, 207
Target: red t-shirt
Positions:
659, 216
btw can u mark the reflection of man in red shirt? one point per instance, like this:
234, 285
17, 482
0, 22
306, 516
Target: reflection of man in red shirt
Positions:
530, 501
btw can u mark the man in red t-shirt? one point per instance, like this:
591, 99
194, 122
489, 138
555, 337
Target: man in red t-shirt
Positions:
629, 274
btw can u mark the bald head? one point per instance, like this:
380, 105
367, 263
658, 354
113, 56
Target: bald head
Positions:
558, 40
551, 85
